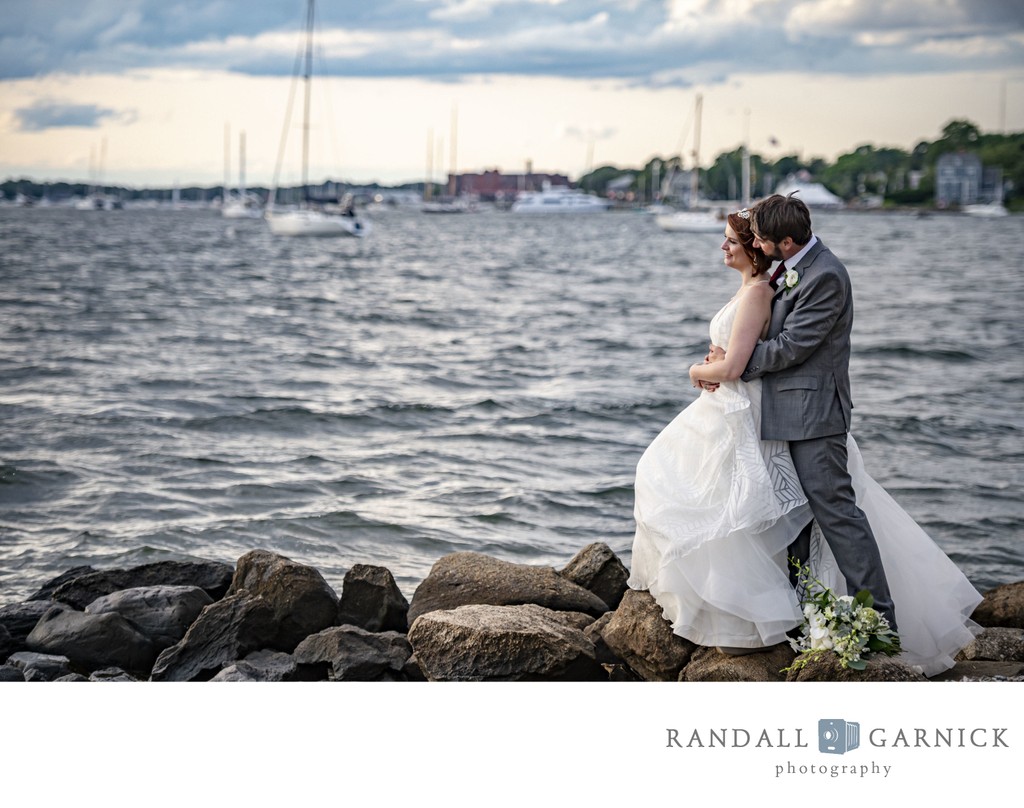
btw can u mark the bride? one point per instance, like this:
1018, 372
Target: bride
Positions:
716, 508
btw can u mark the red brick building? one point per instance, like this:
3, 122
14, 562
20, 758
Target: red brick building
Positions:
492, 185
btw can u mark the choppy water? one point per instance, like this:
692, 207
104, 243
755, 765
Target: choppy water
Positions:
176, 386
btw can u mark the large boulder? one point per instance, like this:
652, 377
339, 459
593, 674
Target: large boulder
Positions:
226, 631
92, 641
302, 601
46, 591
1002, 607
20, 618
502, 643
827, 667
599, 570
463, 579
79, 590
639, 635
350, 653
161, 613
371, 599
712, 665
273, 603
996, 645
10, 673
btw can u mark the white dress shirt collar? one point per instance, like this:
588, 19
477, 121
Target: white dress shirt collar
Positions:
795, 259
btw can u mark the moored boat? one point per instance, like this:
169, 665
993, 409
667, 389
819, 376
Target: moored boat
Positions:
559, 199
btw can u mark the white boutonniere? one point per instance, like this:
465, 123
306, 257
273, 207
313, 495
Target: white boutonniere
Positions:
790, 279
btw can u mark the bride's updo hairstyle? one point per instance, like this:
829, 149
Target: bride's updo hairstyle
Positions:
740, 224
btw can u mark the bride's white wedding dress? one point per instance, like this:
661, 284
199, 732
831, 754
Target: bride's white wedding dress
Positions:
717, 507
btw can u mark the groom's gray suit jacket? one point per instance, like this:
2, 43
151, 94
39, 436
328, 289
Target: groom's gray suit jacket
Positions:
805, 357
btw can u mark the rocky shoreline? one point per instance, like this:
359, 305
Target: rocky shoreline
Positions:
473, 618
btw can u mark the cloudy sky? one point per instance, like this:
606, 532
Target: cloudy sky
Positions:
149, 92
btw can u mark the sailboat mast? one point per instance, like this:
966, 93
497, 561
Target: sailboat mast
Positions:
307, 78
695, 177
452, 181
745, 193
227, 162
241, 167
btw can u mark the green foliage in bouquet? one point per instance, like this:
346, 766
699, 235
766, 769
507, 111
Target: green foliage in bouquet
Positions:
847, 626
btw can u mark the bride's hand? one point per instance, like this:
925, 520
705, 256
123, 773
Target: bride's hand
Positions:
715, 354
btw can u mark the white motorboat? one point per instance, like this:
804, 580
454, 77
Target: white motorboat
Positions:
691, 221
990, 210
559, 199
310, 219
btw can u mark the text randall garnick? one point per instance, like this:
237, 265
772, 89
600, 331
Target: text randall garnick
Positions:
790, 737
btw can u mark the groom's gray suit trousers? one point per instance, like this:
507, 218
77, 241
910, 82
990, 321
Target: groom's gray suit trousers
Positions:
821, 464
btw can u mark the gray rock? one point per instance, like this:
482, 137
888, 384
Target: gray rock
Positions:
462, 579
639, 635
502, 643
259, 666
73, 677
1002, 607
827, 668
81, 590
51, 586
40, 667
595, 633
20, 618
598, 569
7, 645
973, 671
350, 653
996, 645
111, 675
371, 599
273, 603
10, 673
301, 599
711, 665
226, 631
161, 613
92, 640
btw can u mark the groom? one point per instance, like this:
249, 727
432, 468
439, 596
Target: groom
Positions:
804, 363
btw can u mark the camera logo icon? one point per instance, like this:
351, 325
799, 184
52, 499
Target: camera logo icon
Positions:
837, 737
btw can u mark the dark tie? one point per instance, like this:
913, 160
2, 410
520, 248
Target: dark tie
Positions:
774, 281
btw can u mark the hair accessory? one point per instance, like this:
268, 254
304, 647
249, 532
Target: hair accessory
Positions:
743, 214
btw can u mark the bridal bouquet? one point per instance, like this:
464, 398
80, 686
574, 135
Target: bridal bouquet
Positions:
847, 626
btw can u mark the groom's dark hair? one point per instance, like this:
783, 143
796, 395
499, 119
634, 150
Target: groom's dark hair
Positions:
775, 217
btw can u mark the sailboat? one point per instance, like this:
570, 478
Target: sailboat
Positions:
243, 204
693, 220
309, 220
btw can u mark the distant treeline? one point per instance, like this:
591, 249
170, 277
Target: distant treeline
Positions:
900, 177
57, 191
897, 176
